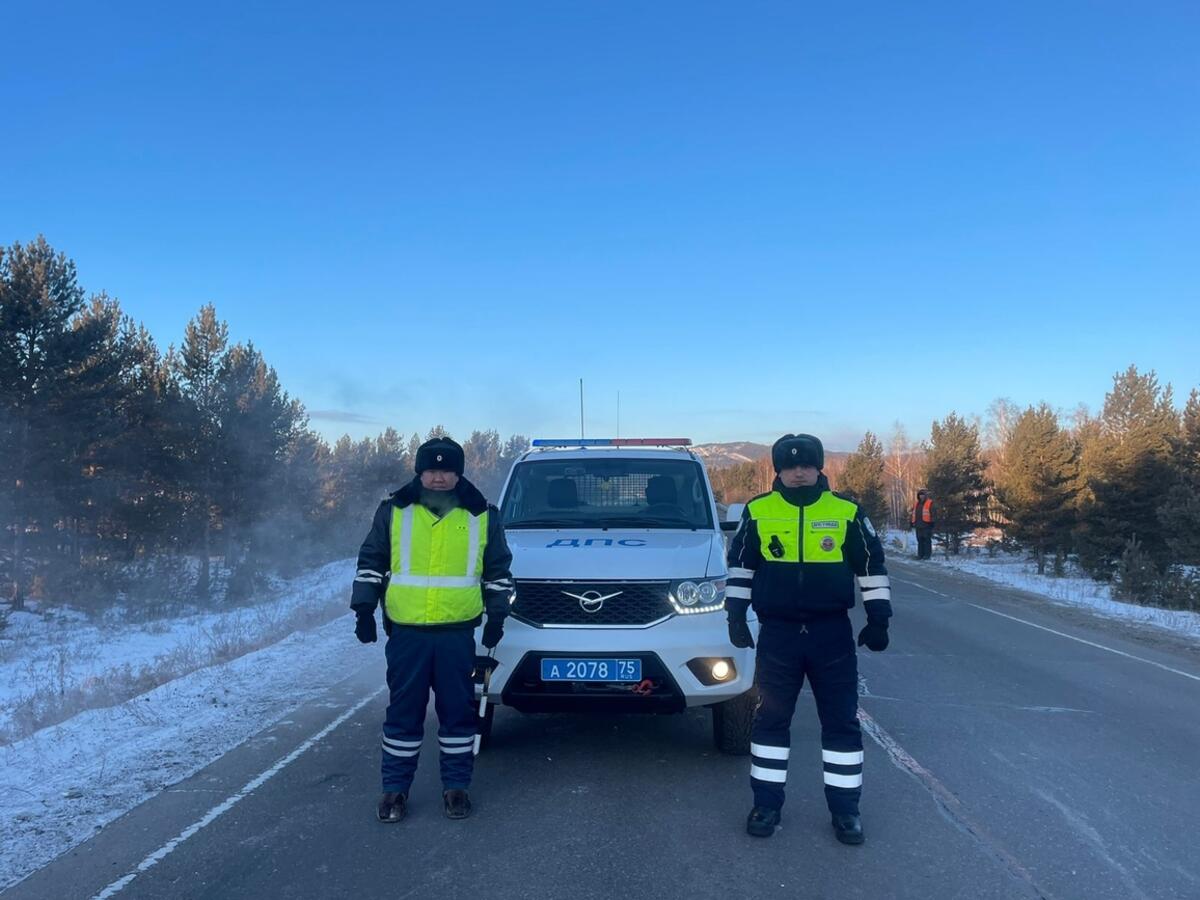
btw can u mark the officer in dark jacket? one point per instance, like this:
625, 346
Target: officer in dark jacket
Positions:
436, 557
795, 558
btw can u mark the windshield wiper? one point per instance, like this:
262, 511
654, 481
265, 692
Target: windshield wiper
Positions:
543, 523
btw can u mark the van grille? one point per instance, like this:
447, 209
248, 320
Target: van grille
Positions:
635, 603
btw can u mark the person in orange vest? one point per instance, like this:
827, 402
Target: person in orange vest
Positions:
921, 519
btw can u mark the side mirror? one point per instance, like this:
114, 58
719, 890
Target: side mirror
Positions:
730, 526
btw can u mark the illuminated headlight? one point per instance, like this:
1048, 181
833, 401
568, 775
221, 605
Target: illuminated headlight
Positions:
698, 595
721, 670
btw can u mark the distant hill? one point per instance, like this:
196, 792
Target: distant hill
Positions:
717, 456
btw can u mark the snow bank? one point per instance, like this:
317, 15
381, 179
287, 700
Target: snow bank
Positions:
1074, 589
56, 665
61, 784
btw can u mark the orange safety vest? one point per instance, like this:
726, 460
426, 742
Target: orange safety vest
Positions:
926, 512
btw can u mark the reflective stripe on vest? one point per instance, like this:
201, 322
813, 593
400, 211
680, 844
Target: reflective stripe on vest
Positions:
926, 512
436, 566
824, 524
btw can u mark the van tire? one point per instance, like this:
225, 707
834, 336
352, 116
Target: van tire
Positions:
732, 722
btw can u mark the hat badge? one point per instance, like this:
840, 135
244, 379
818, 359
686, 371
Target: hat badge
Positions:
439, 458
793, 451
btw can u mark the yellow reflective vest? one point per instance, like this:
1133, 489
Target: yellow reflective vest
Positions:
816, 536
796, 562
436, 566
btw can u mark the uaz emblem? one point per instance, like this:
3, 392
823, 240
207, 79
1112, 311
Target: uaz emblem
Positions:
592, 601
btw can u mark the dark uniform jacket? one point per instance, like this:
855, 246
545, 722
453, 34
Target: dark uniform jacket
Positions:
801, 591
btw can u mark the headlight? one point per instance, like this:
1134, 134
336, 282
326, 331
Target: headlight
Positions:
687, 593
698, 595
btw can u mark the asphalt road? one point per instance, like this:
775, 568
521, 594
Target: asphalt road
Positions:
1016, 749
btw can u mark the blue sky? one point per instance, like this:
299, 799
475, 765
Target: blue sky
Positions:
746, 218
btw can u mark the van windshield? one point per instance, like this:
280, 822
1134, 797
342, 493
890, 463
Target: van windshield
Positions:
607, 493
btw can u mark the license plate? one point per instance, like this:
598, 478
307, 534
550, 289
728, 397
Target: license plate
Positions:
591, 670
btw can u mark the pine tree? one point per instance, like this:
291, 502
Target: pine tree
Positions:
483, 463
1179, 518
41, 355
256, 423
148, 452
390, 463
1038, 483
863, 479
1179, 515
1188, 454
304, 524
1131, 471
198, 370
88, 411
953, 475
351, 491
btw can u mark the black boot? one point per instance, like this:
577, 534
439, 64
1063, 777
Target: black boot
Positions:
848, 828
457, 803
392, 806
762, 821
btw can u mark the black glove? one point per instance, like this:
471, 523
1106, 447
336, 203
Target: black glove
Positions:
874, 634
739, 634
364, 625
492, 632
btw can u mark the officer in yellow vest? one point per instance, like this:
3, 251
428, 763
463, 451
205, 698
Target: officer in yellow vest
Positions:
437, 558
795, 558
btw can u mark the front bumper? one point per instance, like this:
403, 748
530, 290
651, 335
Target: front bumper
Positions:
669, 684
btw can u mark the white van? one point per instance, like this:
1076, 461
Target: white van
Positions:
619, 569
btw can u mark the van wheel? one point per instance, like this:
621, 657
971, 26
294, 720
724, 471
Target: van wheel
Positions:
484, 725
732, 722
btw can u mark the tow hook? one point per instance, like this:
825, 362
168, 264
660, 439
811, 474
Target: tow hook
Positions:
643, 688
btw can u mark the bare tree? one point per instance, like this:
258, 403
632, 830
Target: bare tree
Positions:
901, 465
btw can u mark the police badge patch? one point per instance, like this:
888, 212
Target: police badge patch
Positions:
827, 543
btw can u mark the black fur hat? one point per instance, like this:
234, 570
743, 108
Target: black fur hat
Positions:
440, 453
797, 450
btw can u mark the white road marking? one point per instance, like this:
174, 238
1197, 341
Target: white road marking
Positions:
1070, 637
229, 802
950, 804
921, 586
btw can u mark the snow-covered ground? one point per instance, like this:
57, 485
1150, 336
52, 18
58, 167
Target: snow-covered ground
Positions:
55, 665
102, 762
1074, 589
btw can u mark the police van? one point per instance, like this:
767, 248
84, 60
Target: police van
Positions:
619, 571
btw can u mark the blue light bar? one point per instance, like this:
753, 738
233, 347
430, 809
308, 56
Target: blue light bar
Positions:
612, 442
576, 442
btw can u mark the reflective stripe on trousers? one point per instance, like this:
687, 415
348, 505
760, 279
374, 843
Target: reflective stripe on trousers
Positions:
822, 651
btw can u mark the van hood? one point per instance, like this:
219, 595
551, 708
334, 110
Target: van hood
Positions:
614, 555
